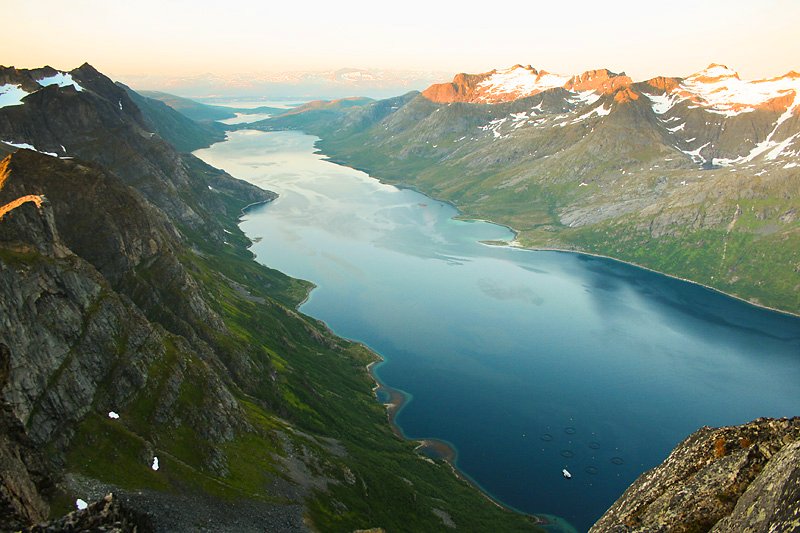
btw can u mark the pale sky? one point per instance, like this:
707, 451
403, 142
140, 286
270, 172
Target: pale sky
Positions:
182, 37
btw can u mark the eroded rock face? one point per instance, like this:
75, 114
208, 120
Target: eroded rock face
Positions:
738, 478
772, 501
74, 343
24, 476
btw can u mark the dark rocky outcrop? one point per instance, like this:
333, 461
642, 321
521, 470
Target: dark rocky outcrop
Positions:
729, 479
105, 515
25, 479
68, 333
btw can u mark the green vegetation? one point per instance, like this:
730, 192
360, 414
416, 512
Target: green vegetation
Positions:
306, 396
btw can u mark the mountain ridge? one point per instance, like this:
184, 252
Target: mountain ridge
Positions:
635, 171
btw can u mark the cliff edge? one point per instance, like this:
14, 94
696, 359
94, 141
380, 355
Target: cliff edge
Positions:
731, 479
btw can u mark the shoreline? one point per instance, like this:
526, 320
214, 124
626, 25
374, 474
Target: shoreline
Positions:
253, 205
629, 263
440, 449
516, 245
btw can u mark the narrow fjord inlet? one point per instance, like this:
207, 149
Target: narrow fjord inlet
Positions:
399, 268
526, 363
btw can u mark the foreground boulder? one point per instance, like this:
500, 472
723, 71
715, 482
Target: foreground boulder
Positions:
738, 478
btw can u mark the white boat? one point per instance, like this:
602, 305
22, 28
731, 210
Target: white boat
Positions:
566, 473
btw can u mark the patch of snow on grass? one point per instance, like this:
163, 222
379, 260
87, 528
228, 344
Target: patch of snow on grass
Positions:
11, 95
113, 415
62, 79
155, 463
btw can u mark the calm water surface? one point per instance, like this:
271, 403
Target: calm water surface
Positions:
526, 362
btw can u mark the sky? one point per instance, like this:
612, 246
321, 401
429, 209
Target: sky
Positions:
223, 37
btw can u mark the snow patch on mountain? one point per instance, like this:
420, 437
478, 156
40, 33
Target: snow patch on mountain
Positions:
11, 95
720, 90
600, 111
695, 154
518, 82
586, 97
62, 79
29, 147
767, 145
661, 103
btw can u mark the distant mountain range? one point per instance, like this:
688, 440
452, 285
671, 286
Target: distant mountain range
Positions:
340, 83
696, 177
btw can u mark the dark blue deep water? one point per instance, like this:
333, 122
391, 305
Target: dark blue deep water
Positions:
527, 362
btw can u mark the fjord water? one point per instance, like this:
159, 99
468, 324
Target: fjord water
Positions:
525, 362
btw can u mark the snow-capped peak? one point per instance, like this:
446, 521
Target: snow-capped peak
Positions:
713, 72
720, 90
518, 82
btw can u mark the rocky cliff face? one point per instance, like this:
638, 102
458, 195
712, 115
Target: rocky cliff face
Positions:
730, 479
25, 479
69, 333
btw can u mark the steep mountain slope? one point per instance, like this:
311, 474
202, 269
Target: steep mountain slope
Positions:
204, 113
694, 177
180, 131
139, 333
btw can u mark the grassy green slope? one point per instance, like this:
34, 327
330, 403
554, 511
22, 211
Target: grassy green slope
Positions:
316, 404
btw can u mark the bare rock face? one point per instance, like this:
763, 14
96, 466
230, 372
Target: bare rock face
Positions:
73, 342
772, 501
461, 89
601, 80
24, 475
738, 478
